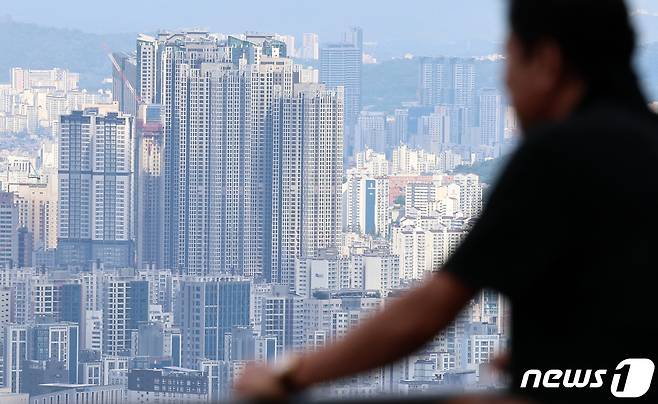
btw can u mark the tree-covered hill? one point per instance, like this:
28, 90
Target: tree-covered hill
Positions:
37, 47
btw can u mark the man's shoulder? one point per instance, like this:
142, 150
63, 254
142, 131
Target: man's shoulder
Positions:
604, 125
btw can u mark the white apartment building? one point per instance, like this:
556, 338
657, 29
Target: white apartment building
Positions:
95, 189
37, 210
372, 164
92, 330
310, 46
116, 340
59, 79
283, 318
274, 167
15, 352
470, 194
423, 250
407, 161
306, 177
370, 270
366, 205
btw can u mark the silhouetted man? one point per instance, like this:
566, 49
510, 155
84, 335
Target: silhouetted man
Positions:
570, 233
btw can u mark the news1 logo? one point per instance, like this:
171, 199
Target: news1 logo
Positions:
631, 379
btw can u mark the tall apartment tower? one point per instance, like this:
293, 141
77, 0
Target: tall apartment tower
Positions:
14, 355
149, 75
245, 144
370, 132
470, 194
37, 210
123, 82
283, 317
95, 188
447, 81
491, 114
125, 304
149, 192
210, 308
8, 230
306, 177
181, 56
220, 162
366, 205
341, 65
310, 46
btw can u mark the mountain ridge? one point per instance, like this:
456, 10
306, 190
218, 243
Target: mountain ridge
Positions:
38, 47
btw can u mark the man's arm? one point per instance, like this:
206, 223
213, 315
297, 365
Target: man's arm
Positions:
400, 329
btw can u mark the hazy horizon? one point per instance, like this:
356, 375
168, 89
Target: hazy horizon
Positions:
444, 23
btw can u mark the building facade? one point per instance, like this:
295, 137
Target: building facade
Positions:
8, 230
341, 65
210, 308
95, 189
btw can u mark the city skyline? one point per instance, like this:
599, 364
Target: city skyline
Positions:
478, 22
228, 197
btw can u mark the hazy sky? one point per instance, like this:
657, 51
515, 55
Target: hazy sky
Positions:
391, 23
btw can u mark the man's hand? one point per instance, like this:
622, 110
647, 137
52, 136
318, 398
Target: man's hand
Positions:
261, 383
405, 325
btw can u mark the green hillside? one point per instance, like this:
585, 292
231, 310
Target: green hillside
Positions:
33, 46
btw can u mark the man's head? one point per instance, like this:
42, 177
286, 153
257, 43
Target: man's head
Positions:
558, 50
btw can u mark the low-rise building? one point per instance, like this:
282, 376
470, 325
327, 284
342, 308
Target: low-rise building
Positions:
167, 385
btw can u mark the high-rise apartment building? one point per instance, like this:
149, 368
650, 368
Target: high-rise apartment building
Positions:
149, 191
366, 201
422, 250
401, 127
341, 65
446, 128
447, 81
192, 64
124, 74
310, 46
70, 303
236, 118
470, 194
209, 309
320, 272
283, 318
354, 36
37, 210
420, 195
15, 354
492, 118
290, 42
5, 307
8, 230
95, 189
41, 344
125, 305
225, 230
58, 342
371, 132
306, 177
372, 164
148, 72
